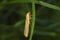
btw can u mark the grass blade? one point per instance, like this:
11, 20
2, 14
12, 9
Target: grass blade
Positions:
33, 20
48, 5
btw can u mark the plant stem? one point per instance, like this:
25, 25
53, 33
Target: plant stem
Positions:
33, 20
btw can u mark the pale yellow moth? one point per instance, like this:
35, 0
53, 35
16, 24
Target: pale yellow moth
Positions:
27, 23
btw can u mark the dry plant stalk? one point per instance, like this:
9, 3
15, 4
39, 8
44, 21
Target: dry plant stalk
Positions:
27, 24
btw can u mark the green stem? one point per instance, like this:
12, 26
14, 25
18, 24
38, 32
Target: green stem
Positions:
33, 20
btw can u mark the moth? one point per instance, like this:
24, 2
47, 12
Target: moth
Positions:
27, 24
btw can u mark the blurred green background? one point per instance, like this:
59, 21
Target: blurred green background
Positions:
12, 20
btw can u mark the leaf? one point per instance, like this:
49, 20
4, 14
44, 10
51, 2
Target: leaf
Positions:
48, 5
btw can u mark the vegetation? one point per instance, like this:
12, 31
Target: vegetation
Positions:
45, 20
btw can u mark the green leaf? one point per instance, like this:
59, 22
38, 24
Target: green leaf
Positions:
18, 23
48, 5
